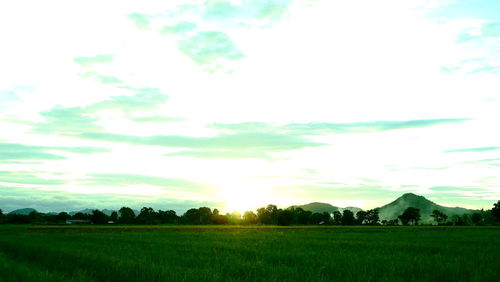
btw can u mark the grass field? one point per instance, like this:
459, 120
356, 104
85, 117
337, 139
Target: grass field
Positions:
231, 253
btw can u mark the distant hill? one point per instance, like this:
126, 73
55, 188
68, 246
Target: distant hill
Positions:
319, 207
324, 207
397, 207
25, 211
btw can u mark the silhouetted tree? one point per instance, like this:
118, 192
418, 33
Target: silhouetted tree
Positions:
191, 216
126, 215
62, 217
205, 215
320, 218
393, 222
146, 216
360, 217
495, 211
80, 216
201, 215
410, 215
2, 217
168, 216
35, 217
488, 217
347, 218
285, 217
268, 215
114, 217
457, 220
302, 216
249, 217
467, 219
98, 217
439, 217
477, 218
272, 210
17, 218
218, 218
372, 217
337, 218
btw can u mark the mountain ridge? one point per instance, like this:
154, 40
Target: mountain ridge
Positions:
395, 208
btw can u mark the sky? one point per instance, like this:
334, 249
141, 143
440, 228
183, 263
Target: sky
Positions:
237, 104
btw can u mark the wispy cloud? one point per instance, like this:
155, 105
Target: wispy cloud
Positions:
205, 40
246, 11
479, 149
336, 128
11, 152
85, 119
180, 28
453, 188
223, 154
211, 49
97, 59
23, 177
121, 179
268, 142
67, 120
142, 21
105, 79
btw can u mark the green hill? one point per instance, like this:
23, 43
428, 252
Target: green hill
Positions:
397, 207
25, 211
319, 207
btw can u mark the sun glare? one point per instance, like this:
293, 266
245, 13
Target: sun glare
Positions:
242, 197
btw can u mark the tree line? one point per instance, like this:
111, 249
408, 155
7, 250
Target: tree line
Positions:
269, 215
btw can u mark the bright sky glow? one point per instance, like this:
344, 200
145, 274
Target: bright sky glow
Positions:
238, 104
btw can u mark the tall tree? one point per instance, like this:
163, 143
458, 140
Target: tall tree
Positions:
410, 216
268, 215
80, 216
126, 215
476, 218
303, 216
168, 216
35, 217
285, 217
348, 217
98, 217
205, 215
495, 211
372, 217
337, 218
114, 217
249, 217
146, 216
439, 217
218, 218
360, 217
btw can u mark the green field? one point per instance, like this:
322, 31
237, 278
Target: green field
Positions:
232, 253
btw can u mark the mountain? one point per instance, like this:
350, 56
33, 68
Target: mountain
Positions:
324, 207
25, 211
319, 207
397, 207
